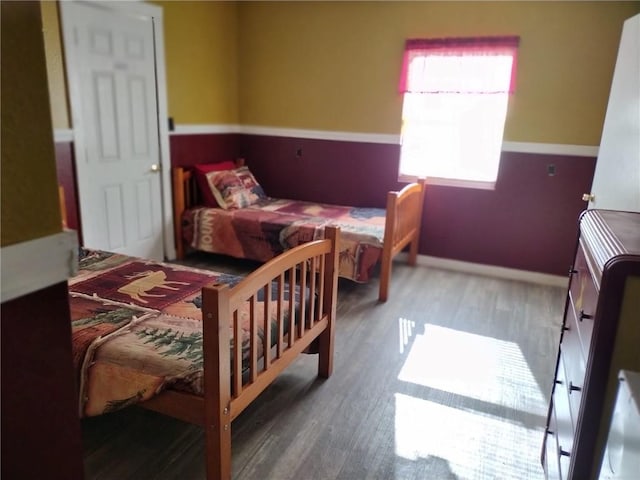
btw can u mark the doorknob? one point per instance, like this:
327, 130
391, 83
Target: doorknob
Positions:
588, 197
155, 167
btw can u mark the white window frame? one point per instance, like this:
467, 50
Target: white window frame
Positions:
443, 96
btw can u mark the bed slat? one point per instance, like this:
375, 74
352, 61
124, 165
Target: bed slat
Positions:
280, 348
266, 327
253, 349
312, 288
292, 306
237, 356
303, 299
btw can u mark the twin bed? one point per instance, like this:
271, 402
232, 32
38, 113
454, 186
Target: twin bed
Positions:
253, 226
165, 336
200, 346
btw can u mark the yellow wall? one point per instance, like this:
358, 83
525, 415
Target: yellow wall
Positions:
201, 54
30, 207
55, 65
201, 62
335, 65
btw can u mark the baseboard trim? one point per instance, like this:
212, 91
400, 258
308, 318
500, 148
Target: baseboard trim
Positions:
36, 264
491, 271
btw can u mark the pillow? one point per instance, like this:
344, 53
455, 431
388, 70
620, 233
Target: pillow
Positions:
201, 170
235, 188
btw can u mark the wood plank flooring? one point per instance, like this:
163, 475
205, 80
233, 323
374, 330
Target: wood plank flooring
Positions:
450, 379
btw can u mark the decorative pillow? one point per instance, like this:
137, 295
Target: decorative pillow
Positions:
201, 170
235, 188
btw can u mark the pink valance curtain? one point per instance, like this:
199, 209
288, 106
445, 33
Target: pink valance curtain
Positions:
459, 65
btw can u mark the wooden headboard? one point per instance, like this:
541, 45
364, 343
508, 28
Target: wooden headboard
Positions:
186, 195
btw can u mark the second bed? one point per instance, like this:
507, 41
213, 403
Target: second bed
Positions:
256, 227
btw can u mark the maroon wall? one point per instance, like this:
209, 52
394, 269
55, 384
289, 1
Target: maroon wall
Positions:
344, 173
66, 170
528, 222
184, 150
202, 148
41, 435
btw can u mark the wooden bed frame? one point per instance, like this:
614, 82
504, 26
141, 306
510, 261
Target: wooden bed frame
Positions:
402, 222
311, 267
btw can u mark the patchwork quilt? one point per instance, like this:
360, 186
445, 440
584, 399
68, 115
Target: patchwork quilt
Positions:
271, 226
137, 329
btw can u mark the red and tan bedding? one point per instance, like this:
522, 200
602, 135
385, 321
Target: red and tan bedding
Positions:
220, 209
268, 227
137, 328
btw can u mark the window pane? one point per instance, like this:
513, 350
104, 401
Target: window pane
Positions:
460, 73
456, 136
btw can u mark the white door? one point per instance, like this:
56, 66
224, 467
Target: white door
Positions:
112, 82
616, 181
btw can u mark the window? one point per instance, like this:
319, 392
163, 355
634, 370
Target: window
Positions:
456, 92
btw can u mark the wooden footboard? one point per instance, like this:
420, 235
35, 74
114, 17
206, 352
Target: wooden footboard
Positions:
310, 270
402, 228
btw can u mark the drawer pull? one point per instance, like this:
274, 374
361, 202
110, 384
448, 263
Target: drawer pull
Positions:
574, 388
584, 316
549, 432
572, 271
565, 328
563, 453
558, 382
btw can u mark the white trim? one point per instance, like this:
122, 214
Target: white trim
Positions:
389, 139
63, 135
450, 182
36, 264
491, 271
156, 14
322, 134
550, 149
195, 129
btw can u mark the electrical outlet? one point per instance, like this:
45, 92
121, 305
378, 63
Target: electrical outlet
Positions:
299, 153
551, 169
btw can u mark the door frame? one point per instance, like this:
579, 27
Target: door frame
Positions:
155, 14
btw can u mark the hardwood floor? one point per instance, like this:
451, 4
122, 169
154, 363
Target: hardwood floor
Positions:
447, 380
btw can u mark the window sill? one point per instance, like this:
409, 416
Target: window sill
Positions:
451, 182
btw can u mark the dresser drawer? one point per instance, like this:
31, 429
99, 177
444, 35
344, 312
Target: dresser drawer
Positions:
551, 462
565, 426
583, 296
574, 363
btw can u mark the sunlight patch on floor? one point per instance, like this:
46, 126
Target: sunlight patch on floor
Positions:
473, 445
474, 366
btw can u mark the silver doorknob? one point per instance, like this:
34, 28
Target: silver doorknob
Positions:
588, 197
155, 167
